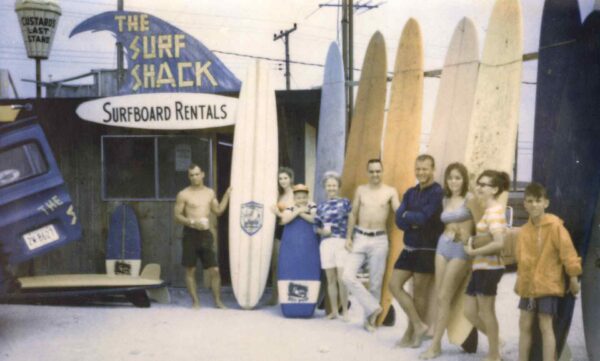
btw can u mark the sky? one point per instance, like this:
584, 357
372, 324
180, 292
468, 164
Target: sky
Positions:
247, 28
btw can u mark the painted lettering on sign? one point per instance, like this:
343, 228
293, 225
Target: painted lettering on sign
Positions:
50, 205
161, 57
161, 111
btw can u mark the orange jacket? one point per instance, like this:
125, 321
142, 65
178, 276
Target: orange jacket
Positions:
540, 271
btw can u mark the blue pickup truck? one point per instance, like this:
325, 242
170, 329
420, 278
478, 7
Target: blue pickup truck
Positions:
36, 211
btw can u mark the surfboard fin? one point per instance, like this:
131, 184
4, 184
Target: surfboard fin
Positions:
160, 295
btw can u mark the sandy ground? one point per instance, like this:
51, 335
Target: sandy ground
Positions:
175, 332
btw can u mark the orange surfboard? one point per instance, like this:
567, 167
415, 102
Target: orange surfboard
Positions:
402, 137
364, 141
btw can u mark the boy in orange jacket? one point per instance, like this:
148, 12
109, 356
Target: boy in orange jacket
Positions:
544, 252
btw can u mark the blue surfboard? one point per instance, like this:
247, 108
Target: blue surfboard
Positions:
299, 270
561, 24
590, 291
332, 121
123, 246
575, 167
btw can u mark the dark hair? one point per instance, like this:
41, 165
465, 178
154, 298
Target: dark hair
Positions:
463, 173
536, 190
374, 160
289, 172
194, 165
500, 180
424, 157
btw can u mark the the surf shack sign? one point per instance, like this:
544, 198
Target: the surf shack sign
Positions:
173, 81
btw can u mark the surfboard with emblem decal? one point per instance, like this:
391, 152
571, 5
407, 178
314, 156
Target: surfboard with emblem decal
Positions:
254, 187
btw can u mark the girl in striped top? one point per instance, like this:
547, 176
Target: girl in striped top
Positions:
480, 302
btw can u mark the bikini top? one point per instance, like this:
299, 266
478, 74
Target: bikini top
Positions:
460, 214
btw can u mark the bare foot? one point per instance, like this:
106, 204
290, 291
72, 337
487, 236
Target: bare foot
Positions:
331, 316
418, 335
220, 305
406, 340
196, 305
431, 353
368, 326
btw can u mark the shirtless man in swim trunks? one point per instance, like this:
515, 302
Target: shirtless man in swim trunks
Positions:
192, 209
367, 239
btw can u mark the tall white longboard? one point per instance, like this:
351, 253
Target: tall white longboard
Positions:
254, 187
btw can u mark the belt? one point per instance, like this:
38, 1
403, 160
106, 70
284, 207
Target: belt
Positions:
369, 234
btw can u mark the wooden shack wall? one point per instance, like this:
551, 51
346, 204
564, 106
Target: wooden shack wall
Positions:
77, 148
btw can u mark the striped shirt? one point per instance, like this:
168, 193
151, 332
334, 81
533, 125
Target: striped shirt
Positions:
493, 221
334, 211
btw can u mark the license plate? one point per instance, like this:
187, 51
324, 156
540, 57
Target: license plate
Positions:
40, 237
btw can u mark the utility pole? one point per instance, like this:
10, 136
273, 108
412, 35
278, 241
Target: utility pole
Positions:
285, 34
120, 54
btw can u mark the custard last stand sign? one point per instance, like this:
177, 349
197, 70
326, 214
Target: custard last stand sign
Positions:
173, 81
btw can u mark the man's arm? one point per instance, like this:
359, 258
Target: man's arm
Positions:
400, 211
395, 200
179, 211
219, 208
352, 217
432, 206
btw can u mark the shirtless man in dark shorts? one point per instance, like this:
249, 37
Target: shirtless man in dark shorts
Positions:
192, 209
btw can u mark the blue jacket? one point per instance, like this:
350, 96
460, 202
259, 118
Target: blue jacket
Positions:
419, 216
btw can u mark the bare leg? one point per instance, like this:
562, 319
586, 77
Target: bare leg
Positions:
471, 310
422, 282
548, 338
525, 327
274, 259
488, 316
343, 294
215, 286
190, 284
416, 325
447, 283
332, 292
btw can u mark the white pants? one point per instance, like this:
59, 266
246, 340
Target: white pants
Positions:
373, 250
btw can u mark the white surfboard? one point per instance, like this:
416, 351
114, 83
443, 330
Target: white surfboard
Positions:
254, 187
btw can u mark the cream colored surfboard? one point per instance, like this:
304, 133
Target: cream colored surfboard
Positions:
493, 130
455, 98
402, 136
254, 187
364, 141
449, 131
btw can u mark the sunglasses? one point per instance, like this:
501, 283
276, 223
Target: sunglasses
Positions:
482, 185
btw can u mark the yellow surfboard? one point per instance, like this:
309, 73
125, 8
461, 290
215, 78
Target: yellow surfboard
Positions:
402, 137
364, 141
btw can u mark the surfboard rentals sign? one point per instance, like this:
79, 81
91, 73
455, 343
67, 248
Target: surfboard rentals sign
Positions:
166, 111
160, 57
